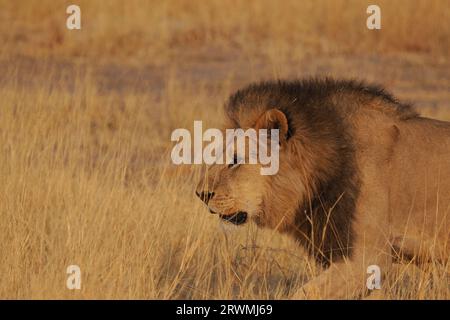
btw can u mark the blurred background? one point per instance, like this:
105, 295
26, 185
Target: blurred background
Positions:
139, 43
85, 123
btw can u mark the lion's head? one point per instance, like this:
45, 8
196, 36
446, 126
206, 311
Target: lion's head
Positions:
237, 191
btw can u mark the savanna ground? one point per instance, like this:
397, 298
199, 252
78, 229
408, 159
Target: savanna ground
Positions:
85, 123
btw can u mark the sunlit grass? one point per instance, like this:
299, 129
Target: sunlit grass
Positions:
158, 31
86, 172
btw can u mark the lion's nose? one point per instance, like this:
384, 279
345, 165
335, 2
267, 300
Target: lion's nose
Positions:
205, 196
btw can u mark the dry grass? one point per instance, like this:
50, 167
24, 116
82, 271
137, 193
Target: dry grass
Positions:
86, 180
156, 31
85, 167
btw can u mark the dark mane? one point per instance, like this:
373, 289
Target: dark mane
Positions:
317, 92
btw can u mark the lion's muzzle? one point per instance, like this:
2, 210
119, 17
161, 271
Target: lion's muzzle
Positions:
236, 218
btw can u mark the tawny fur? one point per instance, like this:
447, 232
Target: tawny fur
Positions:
363, 179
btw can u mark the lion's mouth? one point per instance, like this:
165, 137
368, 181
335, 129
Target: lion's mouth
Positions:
235, 218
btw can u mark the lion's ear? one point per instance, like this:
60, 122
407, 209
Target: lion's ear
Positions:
274, 119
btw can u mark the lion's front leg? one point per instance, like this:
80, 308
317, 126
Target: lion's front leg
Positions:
339, 281
347, 279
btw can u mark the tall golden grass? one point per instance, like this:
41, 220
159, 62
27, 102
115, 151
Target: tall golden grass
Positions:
85, 171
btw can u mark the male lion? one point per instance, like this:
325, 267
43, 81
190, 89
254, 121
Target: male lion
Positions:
363, 179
